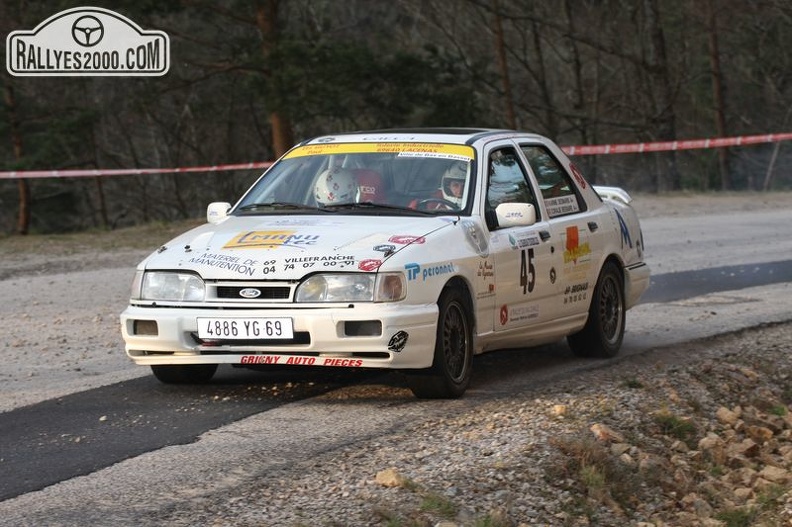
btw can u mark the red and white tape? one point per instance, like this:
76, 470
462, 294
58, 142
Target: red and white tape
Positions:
35, 174
664, 146
582, 150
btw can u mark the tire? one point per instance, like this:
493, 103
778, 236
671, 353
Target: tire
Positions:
185, 374
449, 376
603, 333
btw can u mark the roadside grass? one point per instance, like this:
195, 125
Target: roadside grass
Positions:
433, 505
761, 514
601, 476
675, 426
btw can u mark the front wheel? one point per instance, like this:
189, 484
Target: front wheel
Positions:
184, 374
604, 330
449, 376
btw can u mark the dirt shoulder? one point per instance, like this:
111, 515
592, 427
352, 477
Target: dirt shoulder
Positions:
693, 204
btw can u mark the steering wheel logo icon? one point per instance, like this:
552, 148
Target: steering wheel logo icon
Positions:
87, 31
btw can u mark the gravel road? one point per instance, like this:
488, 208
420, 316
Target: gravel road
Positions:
522, 455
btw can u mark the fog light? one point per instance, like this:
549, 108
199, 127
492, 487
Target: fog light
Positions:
145, 327
362, 328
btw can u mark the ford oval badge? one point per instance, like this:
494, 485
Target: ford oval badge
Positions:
249, 292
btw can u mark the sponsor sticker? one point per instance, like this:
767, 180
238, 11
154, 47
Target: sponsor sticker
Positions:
443, 151
523, 240
271, 240
625, 231
300, 361
236, 264
406, 239
577, 175
518, 314
369, 265
398, 341
561, 205
415, 270
577, 254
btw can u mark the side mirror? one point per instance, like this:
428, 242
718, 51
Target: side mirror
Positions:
515, 214
217, 212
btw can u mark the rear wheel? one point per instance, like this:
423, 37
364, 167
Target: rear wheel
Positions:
185, 373
449, 376
604, 330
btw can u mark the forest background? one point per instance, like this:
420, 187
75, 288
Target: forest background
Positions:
248, 78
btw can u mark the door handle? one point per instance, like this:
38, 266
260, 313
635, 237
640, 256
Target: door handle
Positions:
544, 235
592, 225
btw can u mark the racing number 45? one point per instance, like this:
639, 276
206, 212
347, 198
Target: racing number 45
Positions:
527, 271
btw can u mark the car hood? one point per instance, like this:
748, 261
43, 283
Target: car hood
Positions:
289, 247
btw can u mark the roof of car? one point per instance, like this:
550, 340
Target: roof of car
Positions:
429, 135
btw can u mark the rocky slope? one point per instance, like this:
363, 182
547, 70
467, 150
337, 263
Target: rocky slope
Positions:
699, 435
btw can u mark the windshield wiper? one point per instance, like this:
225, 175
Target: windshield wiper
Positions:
368, 205
277, 205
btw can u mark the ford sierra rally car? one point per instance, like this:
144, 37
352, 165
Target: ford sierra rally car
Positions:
405, 249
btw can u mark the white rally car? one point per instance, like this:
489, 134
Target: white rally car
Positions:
404, 249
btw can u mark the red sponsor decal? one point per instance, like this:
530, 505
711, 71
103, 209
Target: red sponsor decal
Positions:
369, 265
577, 175
260, 359
504, 314
404, 239
300, 361
350, 363
572, 238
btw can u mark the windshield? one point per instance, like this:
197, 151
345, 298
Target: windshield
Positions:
387, 177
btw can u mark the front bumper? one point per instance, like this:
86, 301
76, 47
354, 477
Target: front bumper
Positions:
355, 335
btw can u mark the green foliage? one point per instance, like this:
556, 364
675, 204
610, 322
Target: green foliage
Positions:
436, 503
600, 474
674, 426
350, 84
633, 383
737, 517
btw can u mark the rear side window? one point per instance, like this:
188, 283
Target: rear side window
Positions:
558, 191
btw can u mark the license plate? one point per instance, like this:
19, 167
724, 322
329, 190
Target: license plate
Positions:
245, 328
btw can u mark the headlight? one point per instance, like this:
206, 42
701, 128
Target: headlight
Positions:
177, 287
380, 287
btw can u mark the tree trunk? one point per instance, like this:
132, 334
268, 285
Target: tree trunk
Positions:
500, 48
589, 163
718, 95
267, 20
662, 93
23, 220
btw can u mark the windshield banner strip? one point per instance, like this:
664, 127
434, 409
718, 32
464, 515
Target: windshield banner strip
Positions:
461, 152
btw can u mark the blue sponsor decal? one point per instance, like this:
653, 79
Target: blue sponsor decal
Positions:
427, 271
625, 232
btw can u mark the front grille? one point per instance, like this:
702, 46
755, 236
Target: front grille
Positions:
267, 293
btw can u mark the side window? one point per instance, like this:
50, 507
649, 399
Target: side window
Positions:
507, 180
558, 190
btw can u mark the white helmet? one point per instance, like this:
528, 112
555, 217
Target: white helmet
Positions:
458, 173
334, 186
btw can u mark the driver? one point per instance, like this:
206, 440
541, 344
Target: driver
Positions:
453, 183
449, 195
335, 186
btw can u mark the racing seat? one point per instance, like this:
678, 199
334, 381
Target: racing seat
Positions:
370, 185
